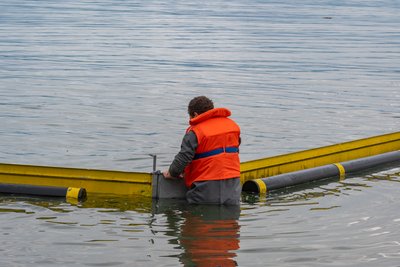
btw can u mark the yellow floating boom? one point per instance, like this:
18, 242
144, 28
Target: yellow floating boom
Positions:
140, 183
94, 181
319, 156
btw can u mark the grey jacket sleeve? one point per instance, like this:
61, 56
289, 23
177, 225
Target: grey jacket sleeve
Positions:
185, 155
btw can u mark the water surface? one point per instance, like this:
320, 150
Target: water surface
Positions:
102, 84
339, 223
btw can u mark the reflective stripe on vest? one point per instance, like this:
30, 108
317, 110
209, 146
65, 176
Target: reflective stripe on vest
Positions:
231, 149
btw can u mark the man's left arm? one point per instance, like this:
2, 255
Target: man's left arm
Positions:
184, 157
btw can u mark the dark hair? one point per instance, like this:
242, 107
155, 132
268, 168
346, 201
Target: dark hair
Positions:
199, 104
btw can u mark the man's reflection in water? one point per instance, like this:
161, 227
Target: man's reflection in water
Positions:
209, 234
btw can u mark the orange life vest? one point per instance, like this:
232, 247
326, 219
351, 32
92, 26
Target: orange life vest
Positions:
217, 153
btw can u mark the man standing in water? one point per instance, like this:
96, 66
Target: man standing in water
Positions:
209, 157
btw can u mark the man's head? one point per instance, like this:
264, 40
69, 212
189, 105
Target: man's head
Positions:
198, 105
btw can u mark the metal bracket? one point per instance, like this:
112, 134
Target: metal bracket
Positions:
166, 188
154, 156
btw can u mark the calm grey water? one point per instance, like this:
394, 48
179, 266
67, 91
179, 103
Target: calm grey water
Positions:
350, 223
101, 84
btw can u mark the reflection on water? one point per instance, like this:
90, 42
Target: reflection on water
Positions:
208, 234
347, 222
389, 175
115, 203
330, 222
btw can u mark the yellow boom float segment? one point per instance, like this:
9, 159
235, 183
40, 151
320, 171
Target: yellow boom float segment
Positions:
319, 156
94, 181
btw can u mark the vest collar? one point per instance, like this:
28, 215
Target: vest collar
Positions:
215, 112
